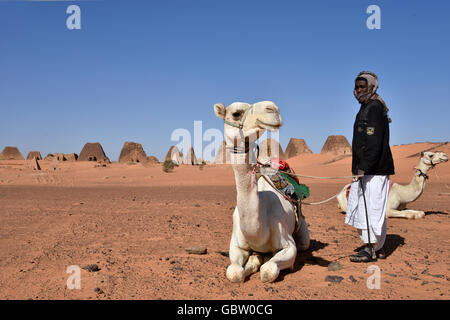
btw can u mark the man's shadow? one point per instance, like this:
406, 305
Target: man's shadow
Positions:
392, 242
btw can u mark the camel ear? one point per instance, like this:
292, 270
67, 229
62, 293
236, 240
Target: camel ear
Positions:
422, 154
219, 110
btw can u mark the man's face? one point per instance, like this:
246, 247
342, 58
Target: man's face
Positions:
360, 86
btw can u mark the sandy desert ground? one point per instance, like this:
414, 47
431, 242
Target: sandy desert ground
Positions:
135, 222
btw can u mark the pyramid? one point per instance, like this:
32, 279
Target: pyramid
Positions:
271, 148
71, 156
190, 158
93, 152
60, 157
132, 152
174, 155
336, 145
152, 160
49, 156
34, 154
11, 153
296, 147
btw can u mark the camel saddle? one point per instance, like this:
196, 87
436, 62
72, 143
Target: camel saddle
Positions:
287, 183
285, 180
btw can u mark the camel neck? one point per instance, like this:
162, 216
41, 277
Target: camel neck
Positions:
245, 179
247, 198
421, 169
418, 180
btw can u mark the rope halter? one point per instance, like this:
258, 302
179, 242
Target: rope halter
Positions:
241, 123
422, 174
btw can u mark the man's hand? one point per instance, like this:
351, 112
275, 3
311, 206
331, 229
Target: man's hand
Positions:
359, 175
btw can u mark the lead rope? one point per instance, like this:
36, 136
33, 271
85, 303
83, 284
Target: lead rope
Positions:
320, 202
311, 177
316, 177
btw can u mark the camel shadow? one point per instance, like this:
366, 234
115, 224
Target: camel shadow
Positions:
392, 242
306, 257
435, 212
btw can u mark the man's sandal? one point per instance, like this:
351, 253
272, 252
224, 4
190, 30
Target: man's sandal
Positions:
362, 256
381, 254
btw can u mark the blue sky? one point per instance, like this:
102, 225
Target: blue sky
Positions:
137, 70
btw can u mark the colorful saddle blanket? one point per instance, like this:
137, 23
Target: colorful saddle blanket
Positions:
285, 180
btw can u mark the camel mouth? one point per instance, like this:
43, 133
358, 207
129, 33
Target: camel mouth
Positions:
441, 158
436, 161
269, 126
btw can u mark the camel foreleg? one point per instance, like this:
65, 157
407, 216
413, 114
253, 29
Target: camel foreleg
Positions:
253, 264
283, 259
238, 257
236, 271
407, 214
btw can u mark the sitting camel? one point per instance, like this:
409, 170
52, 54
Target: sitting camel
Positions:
401, 195
264, 221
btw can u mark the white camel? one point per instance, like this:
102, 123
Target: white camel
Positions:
263, 221
401, 195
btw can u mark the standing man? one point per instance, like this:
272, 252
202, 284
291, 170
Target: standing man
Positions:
372, 160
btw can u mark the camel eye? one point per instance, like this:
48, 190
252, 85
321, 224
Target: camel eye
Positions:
236, 114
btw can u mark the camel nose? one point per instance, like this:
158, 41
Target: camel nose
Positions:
271, 109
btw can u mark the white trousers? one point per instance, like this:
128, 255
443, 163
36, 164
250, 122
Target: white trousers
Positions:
376, 193
376, 241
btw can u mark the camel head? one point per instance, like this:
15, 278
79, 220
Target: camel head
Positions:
245, 122
433, 158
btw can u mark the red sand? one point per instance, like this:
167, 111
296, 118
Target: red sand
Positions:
135, 221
